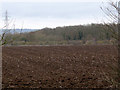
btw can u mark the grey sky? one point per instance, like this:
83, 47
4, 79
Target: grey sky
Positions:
53, 14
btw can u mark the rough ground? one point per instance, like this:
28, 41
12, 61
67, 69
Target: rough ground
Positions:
59, 66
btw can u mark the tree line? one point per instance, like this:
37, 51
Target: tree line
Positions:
84, 33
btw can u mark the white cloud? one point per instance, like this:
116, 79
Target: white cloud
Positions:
35, 23
55, 0
41, 22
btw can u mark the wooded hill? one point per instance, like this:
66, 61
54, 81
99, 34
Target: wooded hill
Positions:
79, 34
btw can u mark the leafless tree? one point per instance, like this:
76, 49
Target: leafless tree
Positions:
6, 31
2, 35
113, 15
112, 12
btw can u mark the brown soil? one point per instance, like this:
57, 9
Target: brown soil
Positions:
59, 66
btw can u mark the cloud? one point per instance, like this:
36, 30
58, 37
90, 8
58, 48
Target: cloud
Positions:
54, 0
42, 14
52, 10
38, 23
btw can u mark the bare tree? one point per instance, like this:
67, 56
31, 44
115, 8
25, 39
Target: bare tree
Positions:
6, 31
3, 33
112, 14
113, 26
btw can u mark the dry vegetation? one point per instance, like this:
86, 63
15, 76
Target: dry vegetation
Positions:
59, 66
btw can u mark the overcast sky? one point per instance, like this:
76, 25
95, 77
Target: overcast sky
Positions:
38, 14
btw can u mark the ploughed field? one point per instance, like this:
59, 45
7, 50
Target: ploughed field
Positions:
59, 66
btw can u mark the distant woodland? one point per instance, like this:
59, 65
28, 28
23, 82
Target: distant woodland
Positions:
67, 35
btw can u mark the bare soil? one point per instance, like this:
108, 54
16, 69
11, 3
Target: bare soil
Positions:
59, 66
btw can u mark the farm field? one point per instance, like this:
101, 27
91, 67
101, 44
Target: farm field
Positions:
59, 66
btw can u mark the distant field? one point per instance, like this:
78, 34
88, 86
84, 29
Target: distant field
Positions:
60, 66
